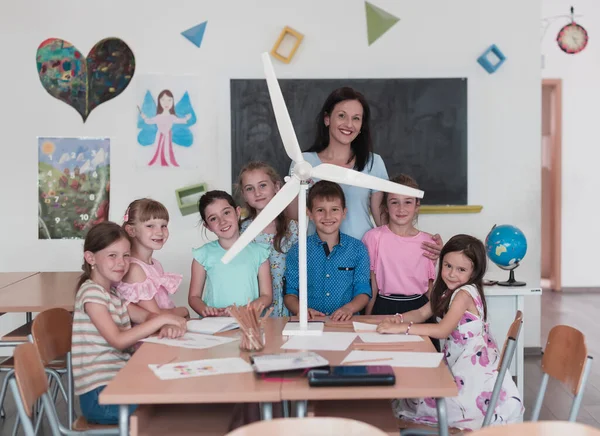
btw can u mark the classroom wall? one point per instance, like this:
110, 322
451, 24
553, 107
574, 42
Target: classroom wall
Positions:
580, 152
503, 120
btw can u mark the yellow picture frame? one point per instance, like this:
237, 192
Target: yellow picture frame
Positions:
287, 30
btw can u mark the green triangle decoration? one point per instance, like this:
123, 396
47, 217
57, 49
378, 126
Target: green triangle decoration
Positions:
378, 22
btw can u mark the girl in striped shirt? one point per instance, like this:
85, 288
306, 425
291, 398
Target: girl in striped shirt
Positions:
102, 332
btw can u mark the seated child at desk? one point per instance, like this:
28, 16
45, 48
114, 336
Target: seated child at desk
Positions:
458, 301
337, 264
102, 332
247, 278
146, 283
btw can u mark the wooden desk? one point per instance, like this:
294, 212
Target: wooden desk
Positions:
39, 292
9, 278
137, 384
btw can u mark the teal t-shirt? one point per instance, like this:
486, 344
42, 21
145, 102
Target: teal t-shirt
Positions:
358, 220
234, 283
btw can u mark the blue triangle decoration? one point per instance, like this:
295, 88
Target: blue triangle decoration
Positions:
195, 34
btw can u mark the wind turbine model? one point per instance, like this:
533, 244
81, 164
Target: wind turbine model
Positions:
297, 185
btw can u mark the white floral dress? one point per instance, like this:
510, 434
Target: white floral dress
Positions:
472, 356
277, 261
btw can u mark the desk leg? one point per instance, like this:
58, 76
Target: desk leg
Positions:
266, 411
28, 317
301, 407
521, 348
123, 420
442, 416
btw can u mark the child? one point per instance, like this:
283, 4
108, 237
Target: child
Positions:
338, 264
259, 183
102, 332
470, 351
401, 276
245, 279
146, 284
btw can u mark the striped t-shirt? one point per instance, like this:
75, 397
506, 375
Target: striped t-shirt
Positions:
95, 361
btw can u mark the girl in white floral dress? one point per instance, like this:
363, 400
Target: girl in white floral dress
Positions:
258, 183
458, 302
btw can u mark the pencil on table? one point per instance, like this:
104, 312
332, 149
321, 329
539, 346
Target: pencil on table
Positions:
383, 359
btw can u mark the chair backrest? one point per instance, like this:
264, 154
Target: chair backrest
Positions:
51, 331
30, 375
513, 333
565, 356
542, 428
308, 426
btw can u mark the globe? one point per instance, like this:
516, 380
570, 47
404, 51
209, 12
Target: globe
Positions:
506, 246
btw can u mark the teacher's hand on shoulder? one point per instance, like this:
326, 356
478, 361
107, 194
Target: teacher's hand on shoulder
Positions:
433, 249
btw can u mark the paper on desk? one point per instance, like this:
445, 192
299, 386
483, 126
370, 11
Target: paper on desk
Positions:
334, 341
212, 324
192, 340
198, 368
379, 338
363, 326
404, 359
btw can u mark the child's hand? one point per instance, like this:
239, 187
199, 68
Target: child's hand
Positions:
173, 320
342, 314
388, 326
171, 332
433, 249
312, 313
212, 311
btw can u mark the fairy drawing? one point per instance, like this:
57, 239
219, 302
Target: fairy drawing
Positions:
171, 121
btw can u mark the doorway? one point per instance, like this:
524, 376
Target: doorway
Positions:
551, 183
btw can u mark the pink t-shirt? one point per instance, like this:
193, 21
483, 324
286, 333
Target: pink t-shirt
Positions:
158, 285
398, 262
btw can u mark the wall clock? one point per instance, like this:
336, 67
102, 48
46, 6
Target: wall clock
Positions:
572, 38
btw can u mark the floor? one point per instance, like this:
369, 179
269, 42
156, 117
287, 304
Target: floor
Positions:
577, 309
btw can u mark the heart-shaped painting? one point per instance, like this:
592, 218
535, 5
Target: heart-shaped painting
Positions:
85, 83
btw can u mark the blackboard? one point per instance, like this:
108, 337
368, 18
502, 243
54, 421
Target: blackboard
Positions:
419, 127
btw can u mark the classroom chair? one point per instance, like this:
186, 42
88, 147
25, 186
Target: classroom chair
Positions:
308, 426
29, 385
541, 428
51, 332
566, 360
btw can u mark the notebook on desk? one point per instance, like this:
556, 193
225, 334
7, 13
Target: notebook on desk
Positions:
212, 325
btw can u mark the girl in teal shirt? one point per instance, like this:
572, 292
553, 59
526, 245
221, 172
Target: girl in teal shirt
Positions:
247, 278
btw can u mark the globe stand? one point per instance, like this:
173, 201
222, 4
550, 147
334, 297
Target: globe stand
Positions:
511, 280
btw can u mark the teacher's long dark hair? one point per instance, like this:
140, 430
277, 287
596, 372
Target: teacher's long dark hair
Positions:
362, 147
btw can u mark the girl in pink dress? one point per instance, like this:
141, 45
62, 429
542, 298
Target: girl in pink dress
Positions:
146, 284
164, 120
458, 301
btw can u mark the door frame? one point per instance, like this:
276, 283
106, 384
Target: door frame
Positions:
556, 181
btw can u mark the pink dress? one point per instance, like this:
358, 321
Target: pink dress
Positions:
164, 122
158, 285
472, 356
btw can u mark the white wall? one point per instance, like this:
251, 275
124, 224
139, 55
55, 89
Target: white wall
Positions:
433, 39
580, 151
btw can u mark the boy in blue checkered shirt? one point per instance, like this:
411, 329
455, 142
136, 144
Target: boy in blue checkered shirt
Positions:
337, 264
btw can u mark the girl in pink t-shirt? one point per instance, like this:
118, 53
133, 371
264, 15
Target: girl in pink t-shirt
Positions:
401, 276
146, 283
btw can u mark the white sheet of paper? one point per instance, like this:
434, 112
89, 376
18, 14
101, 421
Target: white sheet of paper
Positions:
199, 368
212, 324
379, 338
192, 340
288, 361
403, 359
334, 341
363, 326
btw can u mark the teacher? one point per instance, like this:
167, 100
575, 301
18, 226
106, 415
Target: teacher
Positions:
343, 137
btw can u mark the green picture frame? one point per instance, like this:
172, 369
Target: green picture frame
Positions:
188, 196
